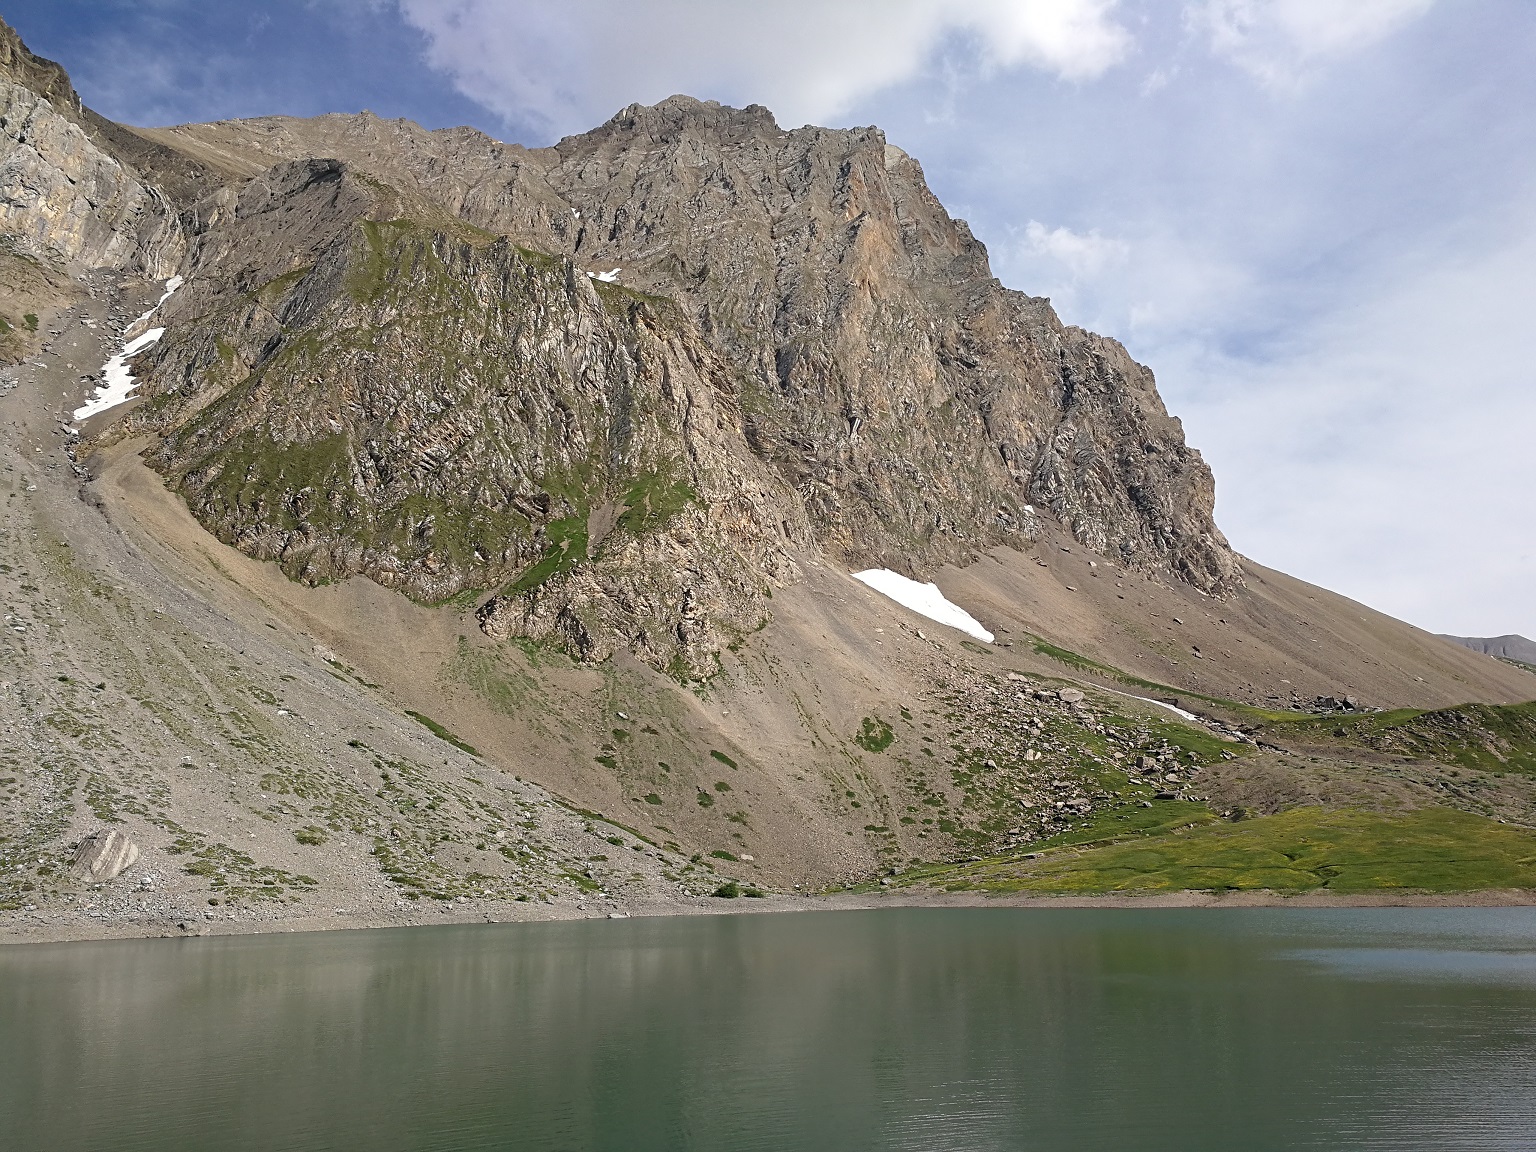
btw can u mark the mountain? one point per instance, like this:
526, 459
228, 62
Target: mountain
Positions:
480, 531
1505, 647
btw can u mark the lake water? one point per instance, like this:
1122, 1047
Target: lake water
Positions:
922, 1029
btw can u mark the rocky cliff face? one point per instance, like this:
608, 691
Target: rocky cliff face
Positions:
394, 357
920, 409
66, 200
63, 198
445, 412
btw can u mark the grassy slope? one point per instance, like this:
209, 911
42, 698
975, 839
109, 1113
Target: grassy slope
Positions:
1428, 850
1478, 737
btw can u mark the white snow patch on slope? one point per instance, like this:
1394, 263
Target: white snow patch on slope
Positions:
924, 599
117, 382
1160, 704
606, 277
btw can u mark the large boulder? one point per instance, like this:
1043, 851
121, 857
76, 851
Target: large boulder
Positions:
104, 855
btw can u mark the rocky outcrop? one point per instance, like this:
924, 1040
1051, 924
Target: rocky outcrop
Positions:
921, 410
44, 77
104, 856
65, 199
393, 357
445, 412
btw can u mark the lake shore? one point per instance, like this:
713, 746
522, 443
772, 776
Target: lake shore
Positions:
52, 927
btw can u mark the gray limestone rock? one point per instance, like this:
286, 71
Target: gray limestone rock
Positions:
67, 200
103, 855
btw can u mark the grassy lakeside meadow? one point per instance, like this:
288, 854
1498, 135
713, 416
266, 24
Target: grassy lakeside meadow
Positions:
1406, 800
1347, 851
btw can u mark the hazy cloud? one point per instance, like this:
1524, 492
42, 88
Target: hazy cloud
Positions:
1278, 40
558, 66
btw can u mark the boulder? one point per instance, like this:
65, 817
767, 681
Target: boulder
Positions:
1070, 696
104, 855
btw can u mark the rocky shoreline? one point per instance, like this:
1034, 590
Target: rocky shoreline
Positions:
53, 928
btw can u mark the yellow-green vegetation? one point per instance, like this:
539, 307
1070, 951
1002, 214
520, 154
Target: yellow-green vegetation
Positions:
567, 548
1028, 773
1345, 850
1478, 737
653, 499
233, 874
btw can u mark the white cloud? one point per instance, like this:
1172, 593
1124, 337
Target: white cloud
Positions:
1386, 452
1083, 255
1279, 40
564, 65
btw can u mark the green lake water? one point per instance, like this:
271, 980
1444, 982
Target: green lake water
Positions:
921, 1029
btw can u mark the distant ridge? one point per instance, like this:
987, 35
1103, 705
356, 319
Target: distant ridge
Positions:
1505, 647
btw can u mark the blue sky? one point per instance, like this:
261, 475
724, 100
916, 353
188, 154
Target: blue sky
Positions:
1315, 220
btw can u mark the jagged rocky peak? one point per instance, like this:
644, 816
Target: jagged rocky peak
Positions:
46, 78
921, 408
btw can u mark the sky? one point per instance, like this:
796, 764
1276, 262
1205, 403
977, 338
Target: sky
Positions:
1314, 220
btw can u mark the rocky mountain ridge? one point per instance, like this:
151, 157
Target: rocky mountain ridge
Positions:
915, 412
1511, 647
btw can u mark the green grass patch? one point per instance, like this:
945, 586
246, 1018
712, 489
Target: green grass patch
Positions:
723, 758
567, 548
1346, 850
441, 733
652, 500
875, 735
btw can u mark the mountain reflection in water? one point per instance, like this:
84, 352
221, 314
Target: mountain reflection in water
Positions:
922, 1029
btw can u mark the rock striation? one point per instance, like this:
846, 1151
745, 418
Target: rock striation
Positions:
104, 856
68, 201
446, 412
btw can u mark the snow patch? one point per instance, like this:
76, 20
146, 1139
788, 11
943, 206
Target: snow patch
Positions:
606, 277
117, 382
1148, 700
924, 599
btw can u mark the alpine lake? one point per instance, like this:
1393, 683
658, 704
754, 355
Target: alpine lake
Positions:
927, 1029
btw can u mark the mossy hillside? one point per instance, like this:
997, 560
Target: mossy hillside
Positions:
995, 764
1304, 849
330, 476
1029, 770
